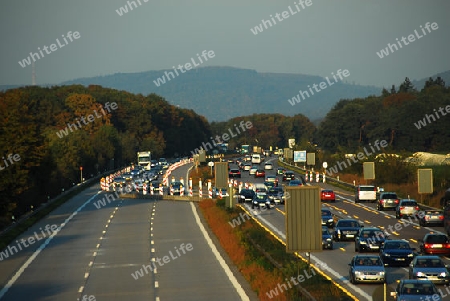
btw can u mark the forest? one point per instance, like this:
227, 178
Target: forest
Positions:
47, 133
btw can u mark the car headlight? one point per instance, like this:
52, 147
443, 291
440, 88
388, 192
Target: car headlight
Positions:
420, 274
381, 273
388, 255
358, 273
411, 255
328, 239
338, 232
330, 220
443, 274
362, 242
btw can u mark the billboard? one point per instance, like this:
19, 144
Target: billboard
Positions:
425, 180
299, 156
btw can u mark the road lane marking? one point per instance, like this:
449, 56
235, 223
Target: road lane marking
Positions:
42, 247
219, 257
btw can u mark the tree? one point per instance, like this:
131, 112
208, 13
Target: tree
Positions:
406, 86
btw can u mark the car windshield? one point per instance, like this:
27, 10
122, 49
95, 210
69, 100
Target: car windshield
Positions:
396, 245
418, 289
352, 224
427, 263
372, 234
409, 203
326, 213
389, 196
325, 231
368, 261
260, 196
436, 239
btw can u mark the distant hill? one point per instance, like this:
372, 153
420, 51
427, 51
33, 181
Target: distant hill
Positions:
419, 84
220, 93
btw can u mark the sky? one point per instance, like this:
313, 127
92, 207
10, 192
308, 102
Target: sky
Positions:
316, 40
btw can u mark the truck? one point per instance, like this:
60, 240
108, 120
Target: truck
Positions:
144, 159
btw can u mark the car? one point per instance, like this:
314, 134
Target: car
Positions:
271, 178
253, 170
327, 218
158, 169
387, 200
409, 289
138, 184
119, 180
288, 176
396, 252
429, 267
431, 217
128, 176
261, 200
369, 239
247, 166
260, 173
327, 239
434, 243
406, 207
216, 192
136, 172
367, 268
177, 187
295, 183
260, 187
268, 166
155, 186
234, 173
256, 158
280, 170
269, 184
246, 195
327, 195
346, 229
276, 195
365, 193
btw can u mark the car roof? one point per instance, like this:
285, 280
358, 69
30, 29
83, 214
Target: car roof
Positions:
427, 257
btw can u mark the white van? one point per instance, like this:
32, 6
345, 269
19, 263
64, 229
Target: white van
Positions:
365, 193
256, 158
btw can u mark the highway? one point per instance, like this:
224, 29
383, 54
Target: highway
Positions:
337, 260
129, 249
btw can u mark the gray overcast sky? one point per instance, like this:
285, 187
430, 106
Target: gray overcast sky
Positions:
318, 40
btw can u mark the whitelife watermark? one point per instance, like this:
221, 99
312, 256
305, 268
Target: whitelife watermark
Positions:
265, 24
360, 156
166, 259
206, 146
12, 249
295, 280
53, 47
90, 118
411, 38
322, 85
87, 298
10, 158
188, 66
124, 9
423, 122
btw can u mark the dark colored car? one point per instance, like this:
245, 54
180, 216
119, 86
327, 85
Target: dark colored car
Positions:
327, 239
367, 268
430, 268
288, 176
177, 186
327, 195
234, 173
327, 218
396, 252
246, 195
415, 290
276, 195
406, 207
120, 180
269, 184
295, 183
346, 229
261, 200
260, 173
280, 170
369, 239
431, 217
387, 200
435, 243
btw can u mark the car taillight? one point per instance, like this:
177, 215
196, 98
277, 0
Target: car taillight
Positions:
382, 201
396, 201
427, 246
447, 246
417, 208
441, 217
401, 207
427, 217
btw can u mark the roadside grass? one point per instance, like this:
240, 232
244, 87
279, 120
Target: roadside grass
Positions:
261, 258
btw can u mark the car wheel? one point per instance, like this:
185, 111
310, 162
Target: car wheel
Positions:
331, 247
380, 208
397, 216
356, 201
351, 279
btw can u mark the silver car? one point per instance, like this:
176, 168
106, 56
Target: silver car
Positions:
367, 268
429, 267
407, 207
